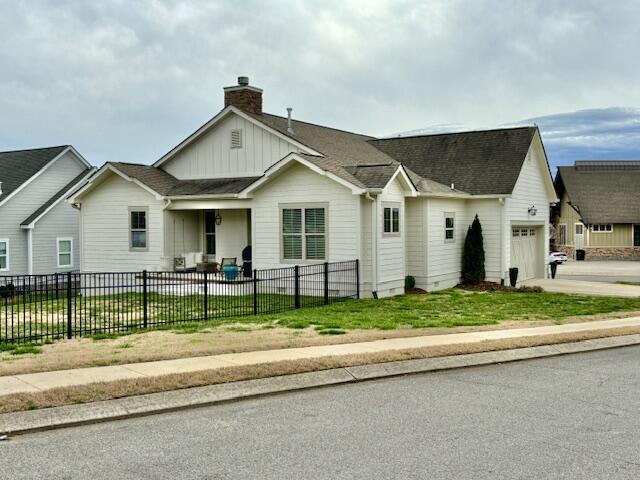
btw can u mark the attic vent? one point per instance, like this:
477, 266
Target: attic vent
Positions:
236, 138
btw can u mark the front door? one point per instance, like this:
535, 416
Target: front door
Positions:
579, 236
636, 235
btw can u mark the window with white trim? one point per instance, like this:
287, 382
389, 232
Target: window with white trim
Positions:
391, 220
236, 138
210, 232
449, 227
602, 228
579, 229
4, 254
138, 240
65, 252
303, 233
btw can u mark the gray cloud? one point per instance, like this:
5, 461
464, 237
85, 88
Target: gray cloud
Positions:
126, 80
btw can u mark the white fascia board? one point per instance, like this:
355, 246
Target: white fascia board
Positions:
36, 175
293, 157
62, 197
546, 171
216, 196
107, 167
403, 174
220, 116
80, 157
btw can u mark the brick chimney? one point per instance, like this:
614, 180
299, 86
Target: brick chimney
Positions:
244, 96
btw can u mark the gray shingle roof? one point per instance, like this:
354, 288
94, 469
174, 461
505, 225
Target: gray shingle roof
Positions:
603, 192
56, 197
351, 156
167, 185
481, 163
18, 166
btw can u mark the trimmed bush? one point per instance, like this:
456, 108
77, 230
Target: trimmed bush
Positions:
473, 256
409, 282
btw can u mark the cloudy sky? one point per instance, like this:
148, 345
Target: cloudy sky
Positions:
126, 80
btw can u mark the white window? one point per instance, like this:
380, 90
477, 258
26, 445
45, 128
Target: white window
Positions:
579, 229
449, 227
391, 220
4, 255
532, 232
602, 228
65, 252
524, 232
515, 232
303, 233
562, 234
236, 138
210, 232
138, 241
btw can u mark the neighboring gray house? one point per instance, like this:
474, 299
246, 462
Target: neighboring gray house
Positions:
39, 231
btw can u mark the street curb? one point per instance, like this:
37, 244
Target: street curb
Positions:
18, 423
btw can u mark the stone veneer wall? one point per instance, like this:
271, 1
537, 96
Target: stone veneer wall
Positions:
604, 253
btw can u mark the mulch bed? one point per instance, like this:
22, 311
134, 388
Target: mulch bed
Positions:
496, 287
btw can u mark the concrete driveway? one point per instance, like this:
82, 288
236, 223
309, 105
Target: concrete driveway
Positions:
582, 287
600, 271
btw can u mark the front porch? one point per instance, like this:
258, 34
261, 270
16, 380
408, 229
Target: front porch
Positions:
199, 235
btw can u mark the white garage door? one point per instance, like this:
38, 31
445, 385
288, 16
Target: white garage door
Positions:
524, 251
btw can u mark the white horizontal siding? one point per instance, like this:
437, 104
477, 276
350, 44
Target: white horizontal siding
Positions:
211, 156
530, 190
444, 259
391, 248
416, 238
105, 228
489, 213
298, 184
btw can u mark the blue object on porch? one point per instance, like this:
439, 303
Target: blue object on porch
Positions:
230, 272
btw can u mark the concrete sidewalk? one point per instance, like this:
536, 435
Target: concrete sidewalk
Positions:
38, 382
581, 287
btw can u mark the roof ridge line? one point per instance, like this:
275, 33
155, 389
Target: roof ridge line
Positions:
320, 126
34, 149
454, 133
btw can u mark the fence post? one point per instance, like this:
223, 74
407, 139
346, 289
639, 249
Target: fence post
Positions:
255, 292
69, 309
57, 286
296, 283
326, 283
357, 278
145, 300
206, 296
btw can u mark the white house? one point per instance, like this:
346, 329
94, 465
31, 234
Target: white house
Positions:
301, 193
38, 229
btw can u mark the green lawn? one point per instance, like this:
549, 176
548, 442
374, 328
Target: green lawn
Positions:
627, 283
448, 308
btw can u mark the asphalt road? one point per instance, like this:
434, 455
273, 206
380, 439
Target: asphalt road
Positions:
568, 417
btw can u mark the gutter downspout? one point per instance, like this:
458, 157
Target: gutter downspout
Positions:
504, 238
30, 251
374, 244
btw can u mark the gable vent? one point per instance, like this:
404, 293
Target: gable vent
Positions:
236, 138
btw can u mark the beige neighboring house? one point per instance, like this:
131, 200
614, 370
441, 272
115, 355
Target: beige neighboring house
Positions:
599, 209
300, 193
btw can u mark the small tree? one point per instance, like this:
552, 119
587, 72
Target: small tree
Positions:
473, 255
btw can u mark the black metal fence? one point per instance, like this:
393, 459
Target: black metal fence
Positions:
37, 308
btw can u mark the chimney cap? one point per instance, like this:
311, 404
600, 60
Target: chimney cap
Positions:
243, 81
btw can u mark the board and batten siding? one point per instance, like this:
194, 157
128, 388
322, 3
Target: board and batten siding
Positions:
181, 234
211, 156
621, 236
568, 217
105, 228
299, 186
19, 207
